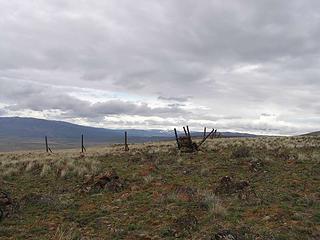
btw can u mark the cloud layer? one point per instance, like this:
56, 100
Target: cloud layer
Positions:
237, 65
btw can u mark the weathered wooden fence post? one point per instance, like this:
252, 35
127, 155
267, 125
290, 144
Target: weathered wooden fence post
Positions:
203, 140
83, 149
204, 132
185, 132
189, 135
48, 149
126, 148
46, 141
176, 134
214, 133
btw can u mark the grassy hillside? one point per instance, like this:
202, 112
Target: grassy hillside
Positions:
312, 134
155, 192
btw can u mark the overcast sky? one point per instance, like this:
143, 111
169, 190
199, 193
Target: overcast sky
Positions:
245, 65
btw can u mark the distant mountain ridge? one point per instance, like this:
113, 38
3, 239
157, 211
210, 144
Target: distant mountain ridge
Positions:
18, 133
34, 128
317, 133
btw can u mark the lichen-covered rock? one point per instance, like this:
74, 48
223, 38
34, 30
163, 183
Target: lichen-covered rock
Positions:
228, 186
225, 235
5, 199
184, 225
6, 205
109, 181
38, 200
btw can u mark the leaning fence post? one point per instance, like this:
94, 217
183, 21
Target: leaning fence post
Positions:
189, 135
176, 134
203, 140
185, 132
188, 131
126, 148
212, 135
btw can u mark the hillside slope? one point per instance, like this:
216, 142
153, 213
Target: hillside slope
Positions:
155, 192
312, 134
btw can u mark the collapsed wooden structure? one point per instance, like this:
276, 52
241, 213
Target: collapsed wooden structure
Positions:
185, 143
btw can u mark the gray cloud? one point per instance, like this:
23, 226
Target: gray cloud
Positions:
220, 59
27, 95
3, 112
174, 99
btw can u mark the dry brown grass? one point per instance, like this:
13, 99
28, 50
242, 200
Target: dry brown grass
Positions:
162, 185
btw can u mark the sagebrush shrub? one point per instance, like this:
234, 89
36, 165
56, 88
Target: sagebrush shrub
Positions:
240, 152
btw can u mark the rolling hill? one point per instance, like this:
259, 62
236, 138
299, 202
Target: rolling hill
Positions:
18, 133
312, 134
27, 133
